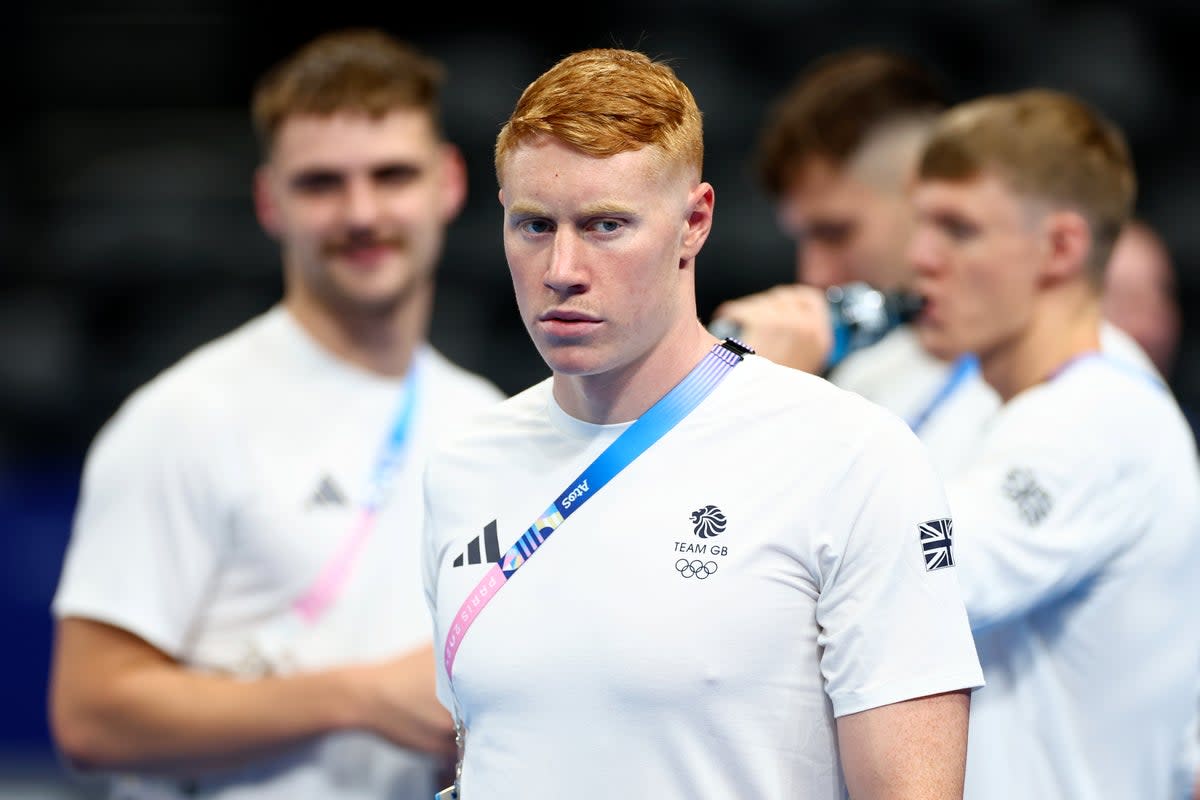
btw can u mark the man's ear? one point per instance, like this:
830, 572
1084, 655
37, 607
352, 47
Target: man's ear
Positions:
699, 222
454, 182
1068, 243
264, 201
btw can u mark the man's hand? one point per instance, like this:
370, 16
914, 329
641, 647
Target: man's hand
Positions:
788, 324
400, 704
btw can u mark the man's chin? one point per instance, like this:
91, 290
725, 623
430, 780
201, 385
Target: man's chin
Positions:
375, 298
937, 344
569, 359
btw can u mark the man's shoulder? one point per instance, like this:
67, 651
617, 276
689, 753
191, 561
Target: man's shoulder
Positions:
199, 378
184, 405
794, 385
814, 407
502, 425
1098, 404
458, 379
896, 358
1123, 348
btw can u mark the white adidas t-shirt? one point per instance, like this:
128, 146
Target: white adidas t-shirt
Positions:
1078, 538
214, 497
947, 410
693, 630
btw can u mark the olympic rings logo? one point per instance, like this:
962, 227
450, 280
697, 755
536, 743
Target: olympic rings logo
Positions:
696, 568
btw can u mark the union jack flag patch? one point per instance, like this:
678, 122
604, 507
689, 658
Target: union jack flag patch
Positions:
936, 535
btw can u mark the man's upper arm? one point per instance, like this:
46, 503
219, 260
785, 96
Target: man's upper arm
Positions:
1034, 521
151, 523
90, 661
912, 750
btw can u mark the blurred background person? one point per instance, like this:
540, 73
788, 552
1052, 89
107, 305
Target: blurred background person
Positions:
240, 611
1077, 521
1140, 295
838, 154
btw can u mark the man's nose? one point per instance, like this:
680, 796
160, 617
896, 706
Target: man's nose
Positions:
565, 270
923, 252
362, 204
817, 265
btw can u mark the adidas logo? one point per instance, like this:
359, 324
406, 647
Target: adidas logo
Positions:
491, 548
327, 494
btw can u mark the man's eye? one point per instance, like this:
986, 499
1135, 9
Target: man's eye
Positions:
396, 175
831, 233
958, 230
535, 225
316, 183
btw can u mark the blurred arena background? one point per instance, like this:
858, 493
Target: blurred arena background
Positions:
127, 235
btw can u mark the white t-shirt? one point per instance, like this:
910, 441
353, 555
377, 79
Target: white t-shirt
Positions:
215, 496
947, 409
694, 629
1078, 531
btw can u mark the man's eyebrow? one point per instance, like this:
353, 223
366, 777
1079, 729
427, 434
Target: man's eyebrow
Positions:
307, 174
607, 207
526, 209
395, 165
599, 208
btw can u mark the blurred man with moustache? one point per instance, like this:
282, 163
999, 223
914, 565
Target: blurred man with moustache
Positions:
240, 610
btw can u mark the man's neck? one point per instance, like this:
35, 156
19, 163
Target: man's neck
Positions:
382, 342
625, 393
1055, 337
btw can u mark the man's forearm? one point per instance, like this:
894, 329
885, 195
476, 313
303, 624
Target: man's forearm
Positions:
118, 704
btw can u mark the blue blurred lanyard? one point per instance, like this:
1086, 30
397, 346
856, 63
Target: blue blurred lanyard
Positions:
964, 366
325, 589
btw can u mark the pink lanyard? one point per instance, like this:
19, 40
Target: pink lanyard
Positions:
325, 589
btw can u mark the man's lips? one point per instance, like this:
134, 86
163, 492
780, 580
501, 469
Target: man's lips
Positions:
566, 323
567, 316
365, 254
929, 312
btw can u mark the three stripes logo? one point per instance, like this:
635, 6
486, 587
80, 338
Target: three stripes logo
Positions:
327, 493
491, 548
936, 536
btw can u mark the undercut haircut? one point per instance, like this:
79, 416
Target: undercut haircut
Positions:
605, 101
835, 104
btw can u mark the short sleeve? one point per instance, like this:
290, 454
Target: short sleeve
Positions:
892, 619
151, 522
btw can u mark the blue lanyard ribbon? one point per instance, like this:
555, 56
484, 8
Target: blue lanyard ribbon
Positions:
647, 429
325, 589
964, 366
